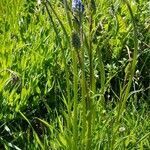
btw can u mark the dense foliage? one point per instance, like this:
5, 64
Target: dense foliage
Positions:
72, 79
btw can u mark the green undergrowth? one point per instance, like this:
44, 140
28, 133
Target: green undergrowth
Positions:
75, 81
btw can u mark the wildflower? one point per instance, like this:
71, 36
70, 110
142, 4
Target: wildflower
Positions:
122, 129
39, 2
77, 6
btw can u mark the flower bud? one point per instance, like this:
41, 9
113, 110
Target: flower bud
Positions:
76, 43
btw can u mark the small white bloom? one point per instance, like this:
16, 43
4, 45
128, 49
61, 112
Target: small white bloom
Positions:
39, 2
122, 129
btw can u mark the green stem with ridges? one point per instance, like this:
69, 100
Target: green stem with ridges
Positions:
92, 79
75, 89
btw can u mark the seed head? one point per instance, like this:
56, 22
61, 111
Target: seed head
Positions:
76, 43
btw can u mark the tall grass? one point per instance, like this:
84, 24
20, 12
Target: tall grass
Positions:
67, 79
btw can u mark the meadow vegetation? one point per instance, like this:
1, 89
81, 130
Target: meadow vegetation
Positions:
74, 80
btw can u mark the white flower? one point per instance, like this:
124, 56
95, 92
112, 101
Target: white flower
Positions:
122, 129
39, 2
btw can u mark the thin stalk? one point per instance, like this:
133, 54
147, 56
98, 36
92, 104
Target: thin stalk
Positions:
83, 85
67, 13
125, 94
66, 68
84, 97
92, 79
59, 20
133, 65
102, 75
75, 89
63, 53
103, 82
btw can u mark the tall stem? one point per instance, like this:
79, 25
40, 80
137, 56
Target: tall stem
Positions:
126, 89
92, 79
75, 89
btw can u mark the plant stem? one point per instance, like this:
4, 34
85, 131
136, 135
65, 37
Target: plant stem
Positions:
66, 67
126, 89
75, 87
92, 79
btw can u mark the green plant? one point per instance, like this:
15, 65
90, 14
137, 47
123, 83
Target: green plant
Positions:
74, 79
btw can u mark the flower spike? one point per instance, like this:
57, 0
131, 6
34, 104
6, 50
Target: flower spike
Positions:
77, 6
